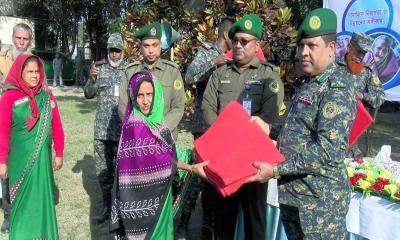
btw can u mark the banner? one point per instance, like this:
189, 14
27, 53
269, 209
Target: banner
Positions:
379, 19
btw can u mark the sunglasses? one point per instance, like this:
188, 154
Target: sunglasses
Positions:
243, 42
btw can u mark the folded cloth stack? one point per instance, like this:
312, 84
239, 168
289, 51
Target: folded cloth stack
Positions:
361, 123
232, 144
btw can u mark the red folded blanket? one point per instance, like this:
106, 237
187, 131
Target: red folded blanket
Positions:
361, 123
231, 145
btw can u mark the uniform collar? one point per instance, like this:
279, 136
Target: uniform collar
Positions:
255, 63
159, 65
322, 77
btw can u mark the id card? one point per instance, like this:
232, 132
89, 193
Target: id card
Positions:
116, 90
247, 105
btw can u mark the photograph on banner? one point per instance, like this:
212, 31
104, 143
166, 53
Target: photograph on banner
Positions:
379, 19
384, 57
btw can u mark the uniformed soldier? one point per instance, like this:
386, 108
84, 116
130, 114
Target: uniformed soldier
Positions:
22, 39
256, 85
208, 57
165, 71
369, 88
313, 189
367, 84
105, 85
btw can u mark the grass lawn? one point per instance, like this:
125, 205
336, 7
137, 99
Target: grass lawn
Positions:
80, 197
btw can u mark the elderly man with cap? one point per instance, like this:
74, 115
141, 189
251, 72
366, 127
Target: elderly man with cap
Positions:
105, 85
369, 88
313, 189
245, 76
165, 71
367, 84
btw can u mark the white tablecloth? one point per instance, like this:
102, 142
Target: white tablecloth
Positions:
373, 217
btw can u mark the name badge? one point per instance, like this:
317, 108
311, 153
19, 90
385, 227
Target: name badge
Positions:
247, 105
116, 90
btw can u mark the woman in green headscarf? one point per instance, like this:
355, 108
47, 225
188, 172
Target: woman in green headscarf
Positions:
142, 197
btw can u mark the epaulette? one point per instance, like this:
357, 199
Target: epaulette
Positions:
272, 66
170, 63
207, 45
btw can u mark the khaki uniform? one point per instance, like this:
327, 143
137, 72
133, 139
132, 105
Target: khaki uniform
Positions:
227, 84
6, 62
170, 78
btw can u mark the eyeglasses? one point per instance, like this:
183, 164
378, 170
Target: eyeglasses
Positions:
242, 42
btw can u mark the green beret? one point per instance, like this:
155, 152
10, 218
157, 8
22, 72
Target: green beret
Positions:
362, 41
250, 24
115, 41
319, 22
152, 30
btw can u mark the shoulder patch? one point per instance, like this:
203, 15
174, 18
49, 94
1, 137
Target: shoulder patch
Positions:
330, 110
172, 64
178, 84
274, 86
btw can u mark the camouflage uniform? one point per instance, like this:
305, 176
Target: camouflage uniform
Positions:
367, 83
170, 78
227, 84
107, 124
198, 72
314, 191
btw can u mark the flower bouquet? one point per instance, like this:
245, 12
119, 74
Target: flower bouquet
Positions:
367, 178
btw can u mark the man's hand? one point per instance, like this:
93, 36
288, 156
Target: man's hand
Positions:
221, 59
360, 95
198, 169
94, 71
3, 171
263, 125
265, 172
57, 163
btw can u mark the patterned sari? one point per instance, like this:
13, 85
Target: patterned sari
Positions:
141, 199
30, 170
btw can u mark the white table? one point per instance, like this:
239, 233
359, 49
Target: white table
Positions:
373, 217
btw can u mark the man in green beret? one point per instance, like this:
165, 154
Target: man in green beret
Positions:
166, 72
259, 88
313, 189
368, 86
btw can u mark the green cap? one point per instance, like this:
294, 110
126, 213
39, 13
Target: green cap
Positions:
319, 22
250, 24
362, 41
152, 30
115, 41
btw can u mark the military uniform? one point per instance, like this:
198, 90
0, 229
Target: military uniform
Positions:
227, 84
6, 62
314, 192
107, 124
198, 72
169, 76
365, 82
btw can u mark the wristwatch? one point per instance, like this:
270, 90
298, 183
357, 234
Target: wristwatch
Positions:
275, 172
